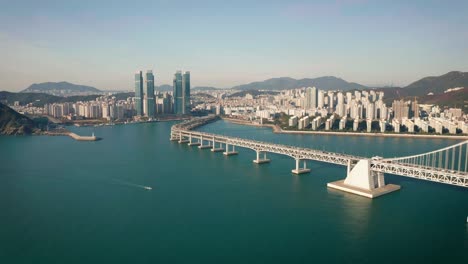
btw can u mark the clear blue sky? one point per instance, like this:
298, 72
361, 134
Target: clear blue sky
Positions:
225, 43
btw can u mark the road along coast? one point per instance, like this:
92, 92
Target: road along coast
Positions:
278, 130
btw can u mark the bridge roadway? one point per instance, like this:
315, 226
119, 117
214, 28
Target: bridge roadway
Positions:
294, 152
184, 134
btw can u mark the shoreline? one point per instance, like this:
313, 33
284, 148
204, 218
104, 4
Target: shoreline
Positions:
276, 129
84, 124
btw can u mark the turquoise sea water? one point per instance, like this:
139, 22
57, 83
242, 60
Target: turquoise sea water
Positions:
64, 201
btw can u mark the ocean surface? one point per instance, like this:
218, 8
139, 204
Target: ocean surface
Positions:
65, 201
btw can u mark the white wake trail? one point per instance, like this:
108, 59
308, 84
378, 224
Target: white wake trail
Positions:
132, 184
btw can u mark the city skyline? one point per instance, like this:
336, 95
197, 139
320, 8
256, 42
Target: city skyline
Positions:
359, 41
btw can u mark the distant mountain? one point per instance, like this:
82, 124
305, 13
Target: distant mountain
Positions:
65, 87
438, 87
437, 84
40, 99
284, 83
14, 123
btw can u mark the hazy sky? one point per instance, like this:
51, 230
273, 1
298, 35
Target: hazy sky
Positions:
225, 43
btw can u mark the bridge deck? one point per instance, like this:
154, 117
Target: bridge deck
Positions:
392, 166
292, 151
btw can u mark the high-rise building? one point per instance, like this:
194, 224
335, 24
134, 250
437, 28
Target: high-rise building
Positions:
340, 106
164, 103
186, 91
310, 98
181, 86
331, 99
414, 109
321, 99
400, 110
349, 97
370, 111
149, 94
178, 94
139, 93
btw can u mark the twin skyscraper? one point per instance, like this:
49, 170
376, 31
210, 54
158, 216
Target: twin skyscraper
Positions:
145, 98
144, 102
181, 85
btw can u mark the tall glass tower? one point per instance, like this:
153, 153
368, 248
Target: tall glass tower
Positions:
178, 94
186, 90
149, 94
139, 93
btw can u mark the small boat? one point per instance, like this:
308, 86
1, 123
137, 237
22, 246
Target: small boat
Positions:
148, 188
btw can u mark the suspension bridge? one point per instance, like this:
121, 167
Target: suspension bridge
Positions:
365, 176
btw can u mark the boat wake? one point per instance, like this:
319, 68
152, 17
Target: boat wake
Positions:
132, 184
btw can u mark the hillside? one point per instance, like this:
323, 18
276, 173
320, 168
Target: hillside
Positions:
14, 123
64, 87
457, 99
283, 83
437, 84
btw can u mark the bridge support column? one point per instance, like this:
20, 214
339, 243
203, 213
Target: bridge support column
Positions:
214, 149
260, 160
181, 139
361, 180
204, 146
192, 143
230, 153
299, 170
174, 137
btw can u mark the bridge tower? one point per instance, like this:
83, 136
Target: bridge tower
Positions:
362, 180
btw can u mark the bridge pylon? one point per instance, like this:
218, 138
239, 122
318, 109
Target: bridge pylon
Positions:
361, 180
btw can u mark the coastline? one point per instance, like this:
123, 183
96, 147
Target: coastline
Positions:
276, 129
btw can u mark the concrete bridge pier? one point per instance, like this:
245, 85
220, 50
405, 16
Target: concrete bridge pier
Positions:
260, 160
174, 137
214, 149
230, 153
181, 139
204, 146
361, 180
193, 143
300, 170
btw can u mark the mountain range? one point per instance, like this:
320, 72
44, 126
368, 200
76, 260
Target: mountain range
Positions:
432, 84
437, 84
59, 86
433, 89
284, 83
